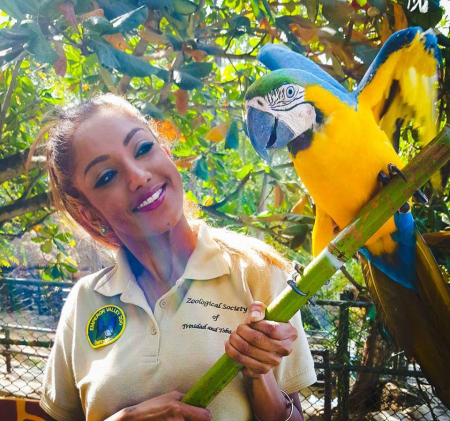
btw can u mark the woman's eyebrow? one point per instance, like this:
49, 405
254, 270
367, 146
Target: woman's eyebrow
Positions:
130, 135
100, 158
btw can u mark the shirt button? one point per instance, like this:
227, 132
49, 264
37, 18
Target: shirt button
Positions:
154, 331
162, 303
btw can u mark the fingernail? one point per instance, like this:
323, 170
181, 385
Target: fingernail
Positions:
256, 314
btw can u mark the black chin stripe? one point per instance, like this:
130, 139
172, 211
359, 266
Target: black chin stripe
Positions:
300, 143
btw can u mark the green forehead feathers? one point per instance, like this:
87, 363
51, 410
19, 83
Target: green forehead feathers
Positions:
269, 82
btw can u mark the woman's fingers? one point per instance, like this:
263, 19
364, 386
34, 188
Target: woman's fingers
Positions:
257, 335
257, 311
255, 366
275, 330
268, 357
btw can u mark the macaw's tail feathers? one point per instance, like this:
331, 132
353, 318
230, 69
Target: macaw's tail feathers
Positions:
418, 322
400, 264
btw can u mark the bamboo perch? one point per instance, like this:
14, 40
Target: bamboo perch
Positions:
371, 217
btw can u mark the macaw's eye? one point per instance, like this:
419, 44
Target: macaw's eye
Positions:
290, 92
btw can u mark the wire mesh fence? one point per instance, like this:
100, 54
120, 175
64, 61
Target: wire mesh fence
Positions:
361, 374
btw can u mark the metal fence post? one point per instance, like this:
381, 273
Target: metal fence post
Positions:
328, 391
343, 356
7, 347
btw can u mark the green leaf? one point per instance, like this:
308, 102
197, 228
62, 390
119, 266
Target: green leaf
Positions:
295, 230
105, 54
274, 174
99, 24
212, 50
126, 63
17, 33
198, 69
42, 50
232, 139
47, 274
186, 81
379, 4
185, 7
70, 268
63, 237
47, 246
55, 272
10, 54
241, 22
244, 171
201, 169
12, 8
157, 4
60, 247
338, 14
38, 239
130, 20
365, 52
152, 110
177, 44
256, 10
107, 79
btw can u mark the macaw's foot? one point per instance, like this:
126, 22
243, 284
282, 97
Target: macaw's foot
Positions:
384, 180
393, 170
299, 268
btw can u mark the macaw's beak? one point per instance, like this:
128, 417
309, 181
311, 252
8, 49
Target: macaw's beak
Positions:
267, 132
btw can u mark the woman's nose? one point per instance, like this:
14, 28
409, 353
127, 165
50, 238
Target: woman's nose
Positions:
138, 177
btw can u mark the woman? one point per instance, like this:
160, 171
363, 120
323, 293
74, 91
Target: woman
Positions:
134, 337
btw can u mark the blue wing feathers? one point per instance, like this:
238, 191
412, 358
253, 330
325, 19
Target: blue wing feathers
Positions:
401, 265
277, 56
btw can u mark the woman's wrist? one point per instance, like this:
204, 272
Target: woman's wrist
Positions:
267, 401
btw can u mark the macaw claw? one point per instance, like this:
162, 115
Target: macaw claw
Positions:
394, 170
420, 196
384, 180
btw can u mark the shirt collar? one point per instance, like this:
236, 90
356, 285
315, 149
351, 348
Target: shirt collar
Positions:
206, 262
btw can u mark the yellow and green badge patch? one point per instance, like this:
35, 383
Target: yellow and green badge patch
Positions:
105, 326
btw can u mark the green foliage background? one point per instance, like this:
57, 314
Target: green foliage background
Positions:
189, 64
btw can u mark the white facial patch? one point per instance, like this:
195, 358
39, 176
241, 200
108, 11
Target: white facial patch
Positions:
299, 119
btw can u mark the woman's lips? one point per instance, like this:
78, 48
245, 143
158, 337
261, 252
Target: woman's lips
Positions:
156, 204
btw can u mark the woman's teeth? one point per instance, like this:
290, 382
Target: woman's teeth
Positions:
151, 199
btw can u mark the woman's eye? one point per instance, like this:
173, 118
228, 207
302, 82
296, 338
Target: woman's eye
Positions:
145, 148
105, 178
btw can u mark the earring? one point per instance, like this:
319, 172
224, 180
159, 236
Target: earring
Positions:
104, 230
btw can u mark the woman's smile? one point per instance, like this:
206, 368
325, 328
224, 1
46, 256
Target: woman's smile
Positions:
152, 200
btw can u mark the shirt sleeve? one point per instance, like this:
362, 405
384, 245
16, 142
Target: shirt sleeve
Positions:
60, 398
296, 371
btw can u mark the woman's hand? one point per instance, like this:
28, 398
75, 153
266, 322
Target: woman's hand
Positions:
259, 344
166, 407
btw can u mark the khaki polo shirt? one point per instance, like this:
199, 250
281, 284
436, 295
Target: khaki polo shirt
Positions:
167, 348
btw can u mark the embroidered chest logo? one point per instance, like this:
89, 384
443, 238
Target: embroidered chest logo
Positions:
105, 326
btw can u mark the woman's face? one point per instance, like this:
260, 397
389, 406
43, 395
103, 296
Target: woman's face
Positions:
127, 175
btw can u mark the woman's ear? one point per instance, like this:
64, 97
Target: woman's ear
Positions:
90, 217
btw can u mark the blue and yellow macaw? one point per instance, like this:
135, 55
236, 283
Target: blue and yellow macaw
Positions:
343, 146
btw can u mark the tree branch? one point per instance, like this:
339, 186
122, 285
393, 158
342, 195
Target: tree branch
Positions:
14, 165
21, 207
